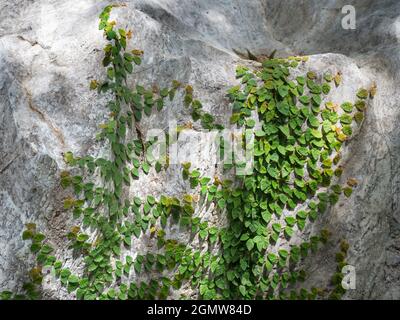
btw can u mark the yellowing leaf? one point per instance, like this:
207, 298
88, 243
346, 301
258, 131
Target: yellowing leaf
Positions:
372, 90
75, 229
68, 203
93, 84
153, 229
352, 182
188, 198
64, 174
342, 137
311, 75
337, 129
305, 58
338, 78
137, 52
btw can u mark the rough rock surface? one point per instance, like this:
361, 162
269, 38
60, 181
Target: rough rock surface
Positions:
49, 51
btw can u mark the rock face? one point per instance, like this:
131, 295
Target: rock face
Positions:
50, 50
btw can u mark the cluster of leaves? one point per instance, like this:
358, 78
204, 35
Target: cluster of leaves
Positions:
44, 258
102, 208
296, 153
207, 120
110, 220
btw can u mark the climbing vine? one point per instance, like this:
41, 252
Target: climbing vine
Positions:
297, 143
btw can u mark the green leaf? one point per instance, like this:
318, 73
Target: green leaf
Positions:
65, 273
137, 201
362, 93
288, 232
290, 221
283, 198
259, 133
135, 173
73, 279
304, 100
137, 60
82, 237
281, 150
111, 294
244, 237
301, 224
273, 172
326, 88
300, 80
235, 118
328, 77
250, 123
314, 122
128, 240
285, 130
360, 105
35, 247
111, 34
359, 117
92, 267
316, 99
316, 133
151, 200
46, 249
203, 234
266, 216
146, 208
347, 130
283, 254
283, 91
274, 237
116, 250
261, 242
347, 107
146, 168
283, 108
346, 119
272, 258
221, 203
128, 67
276, 227
243, 290
347, 191
302, 214
250, 244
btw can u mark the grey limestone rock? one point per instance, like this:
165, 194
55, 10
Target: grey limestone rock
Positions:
51, 49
